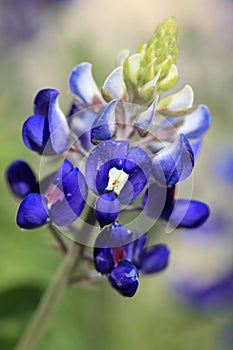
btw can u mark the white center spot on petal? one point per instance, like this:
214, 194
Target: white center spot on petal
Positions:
117, 180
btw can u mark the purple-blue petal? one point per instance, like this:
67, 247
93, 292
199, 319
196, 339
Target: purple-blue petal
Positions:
174, 163
118, 234
83, 86
64, 212
21, 178
102, 156
196, 123
103, 260
36, 135
124, 278
103, 127
146, 118
188, 213
107, 209
42, 102
155, 200
58, 126
80, 121
32, 212
155, 259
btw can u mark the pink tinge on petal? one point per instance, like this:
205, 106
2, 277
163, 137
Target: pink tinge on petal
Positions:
53, 194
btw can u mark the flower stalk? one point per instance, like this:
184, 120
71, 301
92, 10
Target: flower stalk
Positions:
51, 298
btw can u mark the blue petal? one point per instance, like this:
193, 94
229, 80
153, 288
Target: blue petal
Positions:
107, 209
124, 278
174, 163
101, 157
138, 166
64, 170
64, 212
154, 200
113, 236
36, 135
134, 249
83, 86
114, 86
118, 234
146, 119
58, 127
139, 245
32, 212
188, 213
154, 259
80, 121
196, 123
21, 179
138, 159
103, 127
196, 146
103, 259
42, 102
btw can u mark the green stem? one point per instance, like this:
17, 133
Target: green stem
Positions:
49, 301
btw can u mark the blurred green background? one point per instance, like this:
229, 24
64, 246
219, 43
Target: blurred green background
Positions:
95, 316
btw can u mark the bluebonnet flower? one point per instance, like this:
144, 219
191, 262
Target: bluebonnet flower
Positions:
180, 213
47, 131
133, 144
123, 262
61, 198
119, 174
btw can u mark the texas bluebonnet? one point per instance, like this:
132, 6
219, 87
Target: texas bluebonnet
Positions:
130, 143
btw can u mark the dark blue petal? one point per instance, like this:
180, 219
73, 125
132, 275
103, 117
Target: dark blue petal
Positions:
124, 278
107, 209
58, 127
103, 259
80, 121
36, 135
133, 251
83, 86
106, 155
138, 166
113, 236
42, 101
133, 187
146, 119
64, 170
103, 127
103, 177
32, 212
188, 213
174, 163
21, 178
154, 259
118, 234
155, 200
65, 211
139, 245
138, 159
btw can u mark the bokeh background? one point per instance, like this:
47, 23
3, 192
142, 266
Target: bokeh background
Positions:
40, 43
